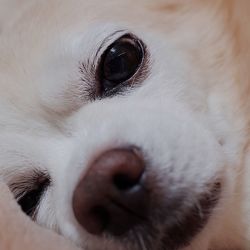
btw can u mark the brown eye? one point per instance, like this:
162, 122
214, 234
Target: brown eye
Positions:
120, 62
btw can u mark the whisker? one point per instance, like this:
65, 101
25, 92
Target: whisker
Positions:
141, 242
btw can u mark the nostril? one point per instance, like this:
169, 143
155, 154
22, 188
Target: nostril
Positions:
124, 182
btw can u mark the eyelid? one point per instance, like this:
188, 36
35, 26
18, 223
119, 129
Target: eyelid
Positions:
107, 42
27, 182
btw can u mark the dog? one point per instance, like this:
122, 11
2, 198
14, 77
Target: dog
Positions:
125, 124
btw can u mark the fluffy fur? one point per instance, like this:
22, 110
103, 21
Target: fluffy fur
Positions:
190, 115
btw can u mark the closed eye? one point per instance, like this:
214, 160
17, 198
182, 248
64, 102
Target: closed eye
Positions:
29, 189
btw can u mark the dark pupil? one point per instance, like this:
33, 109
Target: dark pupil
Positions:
29, 202
122, 60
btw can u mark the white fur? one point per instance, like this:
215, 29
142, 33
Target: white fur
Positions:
187, 114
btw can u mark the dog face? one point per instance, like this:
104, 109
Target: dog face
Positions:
118, 124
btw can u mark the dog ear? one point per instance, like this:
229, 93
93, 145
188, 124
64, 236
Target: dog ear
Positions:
18, 232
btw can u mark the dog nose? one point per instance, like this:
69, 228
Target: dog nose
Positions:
111, 198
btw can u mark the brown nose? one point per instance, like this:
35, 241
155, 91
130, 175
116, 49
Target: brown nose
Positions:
110, 198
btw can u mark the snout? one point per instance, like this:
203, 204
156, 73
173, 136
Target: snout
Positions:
111, 197
118, 195
161, 191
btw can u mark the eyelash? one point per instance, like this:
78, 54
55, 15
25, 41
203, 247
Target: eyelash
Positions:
28, 191
88, 76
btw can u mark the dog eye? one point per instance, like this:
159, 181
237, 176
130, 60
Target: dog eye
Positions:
29, 197
30, 201
120, 62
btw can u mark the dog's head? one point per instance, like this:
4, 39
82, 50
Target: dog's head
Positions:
118, 124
